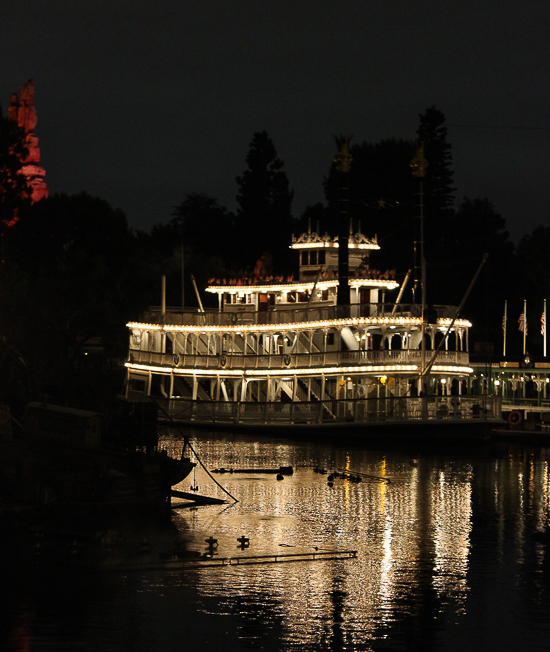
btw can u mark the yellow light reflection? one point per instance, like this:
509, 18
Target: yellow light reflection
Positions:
452, 513
416, 529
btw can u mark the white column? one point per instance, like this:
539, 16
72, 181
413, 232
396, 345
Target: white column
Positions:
243, 390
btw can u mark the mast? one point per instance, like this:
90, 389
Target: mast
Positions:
543, 329
163, 298
524, 326
182, 279
426, 370
343, 160
504, 320
418, 166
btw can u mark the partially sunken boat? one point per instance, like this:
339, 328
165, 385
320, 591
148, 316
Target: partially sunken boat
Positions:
327, 350
63, 458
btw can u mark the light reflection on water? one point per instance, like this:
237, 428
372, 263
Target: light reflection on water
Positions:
414, 538
447, 558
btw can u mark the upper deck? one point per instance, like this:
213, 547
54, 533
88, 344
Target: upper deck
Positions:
245, 316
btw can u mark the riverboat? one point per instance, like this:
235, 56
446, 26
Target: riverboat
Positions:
281, 352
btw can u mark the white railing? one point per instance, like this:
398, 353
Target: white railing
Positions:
359, 411
292, 361
246, 314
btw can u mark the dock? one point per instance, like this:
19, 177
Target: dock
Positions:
208, 561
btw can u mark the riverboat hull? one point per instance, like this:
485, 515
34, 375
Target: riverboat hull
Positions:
361, 415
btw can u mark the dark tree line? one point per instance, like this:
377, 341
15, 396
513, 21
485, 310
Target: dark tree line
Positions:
73, 272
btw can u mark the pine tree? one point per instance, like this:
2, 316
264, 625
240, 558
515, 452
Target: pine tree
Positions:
438, 200
264, 197
203, 226
438, 184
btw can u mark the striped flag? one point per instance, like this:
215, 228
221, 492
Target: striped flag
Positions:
542, 323
522, 323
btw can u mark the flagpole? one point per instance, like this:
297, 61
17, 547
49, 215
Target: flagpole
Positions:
524, 325
504, 328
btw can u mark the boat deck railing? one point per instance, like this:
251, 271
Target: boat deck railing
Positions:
343, 411
295, 360
246, 314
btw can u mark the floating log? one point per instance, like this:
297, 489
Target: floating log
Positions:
206, 561
282, 470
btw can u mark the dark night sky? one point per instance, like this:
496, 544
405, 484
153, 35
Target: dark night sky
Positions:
140, 102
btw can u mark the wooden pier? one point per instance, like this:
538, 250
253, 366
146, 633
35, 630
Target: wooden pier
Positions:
207, 561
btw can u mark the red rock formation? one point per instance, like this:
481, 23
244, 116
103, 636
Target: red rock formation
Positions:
23, 111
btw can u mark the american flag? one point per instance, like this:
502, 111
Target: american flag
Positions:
522, 323
542, 323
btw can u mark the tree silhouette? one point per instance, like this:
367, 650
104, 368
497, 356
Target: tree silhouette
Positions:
264, 197
475, 230
70, 274
381, 198
438, 201
204, 226
438, 184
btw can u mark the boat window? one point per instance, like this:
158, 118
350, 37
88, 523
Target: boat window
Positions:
313, 258
304, 257
160, 385
137, 385
322, 257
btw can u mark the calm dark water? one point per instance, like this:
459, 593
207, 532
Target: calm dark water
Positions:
451, 556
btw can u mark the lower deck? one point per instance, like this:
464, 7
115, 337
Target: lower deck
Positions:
343, 412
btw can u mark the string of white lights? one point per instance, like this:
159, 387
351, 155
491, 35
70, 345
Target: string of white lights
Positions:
338, 371
305, 325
